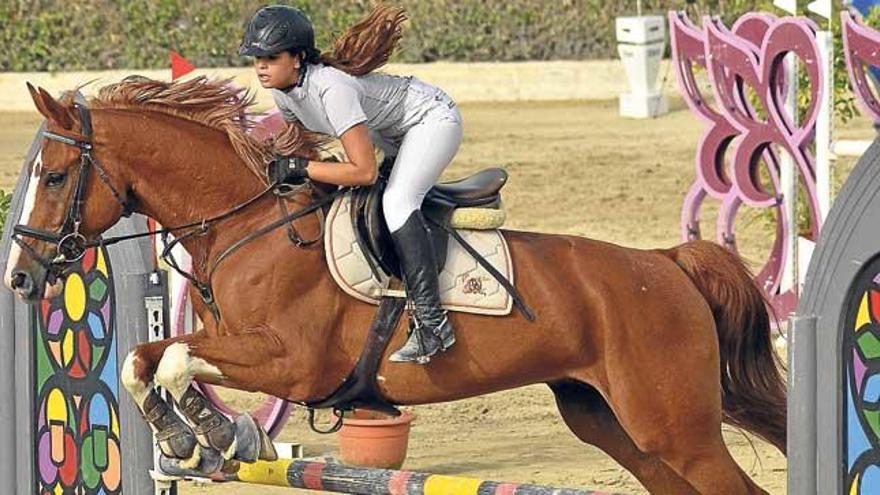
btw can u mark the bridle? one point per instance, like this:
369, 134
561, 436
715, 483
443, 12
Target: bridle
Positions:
71, 244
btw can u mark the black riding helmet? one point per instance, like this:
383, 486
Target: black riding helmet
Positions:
277, 28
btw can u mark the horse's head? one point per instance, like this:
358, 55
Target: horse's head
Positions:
64, 207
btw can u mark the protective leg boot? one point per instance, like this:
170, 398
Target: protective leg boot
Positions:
213, 429
175, 438
432, 331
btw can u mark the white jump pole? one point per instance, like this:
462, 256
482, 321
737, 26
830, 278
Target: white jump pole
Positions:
824, 121
788, 174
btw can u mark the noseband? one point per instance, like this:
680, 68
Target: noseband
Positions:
70, 243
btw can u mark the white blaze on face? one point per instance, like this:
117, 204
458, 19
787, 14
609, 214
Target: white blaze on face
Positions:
27, 209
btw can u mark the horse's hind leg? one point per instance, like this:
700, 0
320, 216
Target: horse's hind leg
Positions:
669, 404
588, 416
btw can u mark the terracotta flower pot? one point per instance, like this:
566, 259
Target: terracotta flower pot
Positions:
372, 439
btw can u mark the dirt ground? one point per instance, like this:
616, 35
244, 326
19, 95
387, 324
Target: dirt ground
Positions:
578, 168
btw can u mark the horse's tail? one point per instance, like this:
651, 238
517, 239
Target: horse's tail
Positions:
753, 389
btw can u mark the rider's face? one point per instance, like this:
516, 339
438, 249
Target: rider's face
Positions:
277, 71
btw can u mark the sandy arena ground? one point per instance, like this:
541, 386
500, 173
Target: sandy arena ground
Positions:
578, 168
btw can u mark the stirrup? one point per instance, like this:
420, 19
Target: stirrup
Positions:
446, 333
416, 350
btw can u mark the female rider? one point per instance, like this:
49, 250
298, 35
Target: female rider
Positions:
339, 95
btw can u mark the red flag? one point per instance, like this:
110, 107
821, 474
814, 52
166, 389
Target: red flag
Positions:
180, 66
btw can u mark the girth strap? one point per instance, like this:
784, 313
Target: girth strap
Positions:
359, 388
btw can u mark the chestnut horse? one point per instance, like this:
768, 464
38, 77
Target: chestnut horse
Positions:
646, 351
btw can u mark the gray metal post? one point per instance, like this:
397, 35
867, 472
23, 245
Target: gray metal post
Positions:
24, 399
802, 445
7, 385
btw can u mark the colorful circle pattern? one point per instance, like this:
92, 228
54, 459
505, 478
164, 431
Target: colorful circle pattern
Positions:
77, 390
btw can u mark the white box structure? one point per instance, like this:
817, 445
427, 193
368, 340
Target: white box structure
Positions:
640, 44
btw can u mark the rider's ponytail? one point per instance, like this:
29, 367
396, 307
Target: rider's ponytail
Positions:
367, 45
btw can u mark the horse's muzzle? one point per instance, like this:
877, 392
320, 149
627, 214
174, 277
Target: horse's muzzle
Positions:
32, 289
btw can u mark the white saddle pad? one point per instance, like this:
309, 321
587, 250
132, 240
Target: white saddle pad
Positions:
464, 284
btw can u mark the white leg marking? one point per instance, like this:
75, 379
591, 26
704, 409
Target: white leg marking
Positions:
193, 462
27, 209
137, 388
230, 452
177, 369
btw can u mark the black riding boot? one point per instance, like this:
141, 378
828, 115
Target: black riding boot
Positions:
432, 331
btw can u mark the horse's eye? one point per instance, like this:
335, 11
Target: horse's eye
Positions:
55, 179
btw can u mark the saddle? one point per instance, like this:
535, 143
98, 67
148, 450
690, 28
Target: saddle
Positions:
367, 225
481, 190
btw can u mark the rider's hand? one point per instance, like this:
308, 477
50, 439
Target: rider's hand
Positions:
288, 170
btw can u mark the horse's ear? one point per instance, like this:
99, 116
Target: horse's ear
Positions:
50, 108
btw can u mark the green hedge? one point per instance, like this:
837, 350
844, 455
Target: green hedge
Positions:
55, 35
5, 203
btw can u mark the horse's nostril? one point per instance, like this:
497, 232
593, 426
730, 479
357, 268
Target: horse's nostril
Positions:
20, 280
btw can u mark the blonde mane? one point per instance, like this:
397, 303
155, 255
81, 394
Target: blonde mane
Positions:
215, 104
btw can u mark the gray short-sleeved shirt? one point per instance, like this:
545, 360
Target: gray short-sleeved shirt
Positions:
331, 101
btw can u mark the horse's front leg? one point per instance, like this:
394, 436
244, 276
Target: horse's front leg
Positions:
242, 439
175, 438
208, 358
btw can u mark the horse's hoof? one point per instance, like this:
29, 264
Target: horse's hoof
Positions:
251, 442
204, 462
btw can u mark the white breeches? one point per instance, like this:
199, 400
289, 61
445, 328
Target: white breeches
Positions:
426, 150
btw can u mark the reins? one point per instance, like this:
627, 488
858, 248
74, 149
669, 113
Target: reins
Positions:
204, 288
